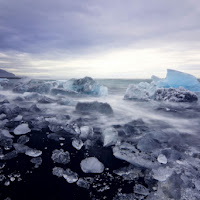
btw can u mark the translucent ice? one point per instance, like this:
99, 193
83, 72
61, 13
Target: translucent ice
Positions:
110, 136
6, 133
59, 156
77, 143
70, 176
176, 79
83, 182
58, 171
162, 159
86, 131
162, 174
86, 86
141, 91
140, 189
33, 152
37, 161
22, 129
92, 165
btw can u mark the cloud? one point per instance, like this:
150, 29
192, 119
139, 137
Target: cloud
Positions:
36, 36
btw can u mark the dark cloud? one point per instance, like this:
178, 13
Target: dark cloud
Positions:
36, 26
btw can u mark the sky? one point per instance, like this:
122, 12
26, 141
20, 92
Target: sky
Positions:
99, 38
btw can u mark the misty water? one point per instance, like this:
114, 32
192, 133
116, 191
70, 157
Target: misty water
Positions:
144, 149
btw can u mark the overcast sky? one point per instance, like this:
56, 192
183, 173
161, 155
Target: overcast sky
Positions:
99, 38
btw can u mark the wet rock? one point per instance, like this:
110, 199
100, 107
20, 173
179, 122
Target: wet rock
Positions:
94, 107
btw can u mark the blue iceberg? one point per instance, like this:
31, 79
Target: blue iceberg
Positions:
176, 79
86, 85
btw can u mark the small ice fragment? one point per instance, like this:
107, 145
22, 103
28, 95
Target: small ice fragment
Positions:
37, 161
22, 129
77, 144
83, 183
92, 165
6, 133
70, 176
7, 183
59, 156
140, 189
23, 139
12, 179
110, 136
162, 174
162, 159
18, 118
33, 152
58, 171
86, 131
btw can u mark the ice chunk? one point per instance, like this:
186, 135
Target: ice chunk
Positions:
148, 144
59, 156
84, 183
6, 133
162, 174
23, 139
93, 107
22, 129
2, 116
129, 173
18, 118
175, 95
176, 79
86, 86
162, 159
110, 136
20, 148
92, 165
33, 152
77, 143
58, 171
130, 154
37, 161
86, 131
70, 176
140, 189
141, 91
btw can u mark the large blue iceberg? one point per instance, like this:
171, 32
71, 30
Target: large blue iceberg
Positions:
176, 79
177, 86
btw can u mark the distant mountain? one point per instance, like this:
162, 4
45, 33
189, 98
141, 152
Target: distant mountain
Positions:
5, 74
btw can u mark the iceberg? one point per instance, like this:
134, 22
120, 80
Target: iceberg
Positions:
92, 165
86, 85
142, 91
176, 87
176, 79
